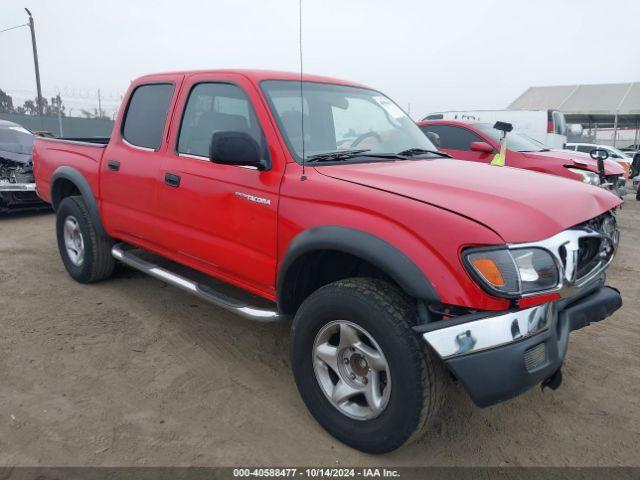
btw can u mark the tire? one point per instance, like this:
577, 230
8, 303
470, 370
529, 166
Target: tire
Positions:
96, 262
417, 378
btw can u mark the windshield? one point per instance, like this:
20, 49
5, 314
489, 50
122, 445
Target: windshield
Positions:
515, 141
16, 139
615, 153
337, 117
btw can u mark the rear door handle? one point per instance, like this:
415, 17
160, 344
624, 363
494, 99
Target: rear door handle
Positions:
113, 165
172, 179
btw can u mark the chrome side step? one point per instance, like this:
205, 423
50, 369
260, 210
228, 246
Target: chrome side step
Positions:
120, 252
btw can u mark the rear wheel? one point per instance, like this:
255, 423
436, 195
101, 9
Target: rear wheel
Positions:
362, 372
85, 253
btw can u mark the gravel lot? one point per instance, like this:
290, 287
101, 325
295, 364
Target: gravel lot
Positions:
133, 372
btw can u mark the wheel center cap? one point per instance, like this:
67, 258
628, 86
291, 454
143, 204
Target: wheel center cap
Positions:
359, 365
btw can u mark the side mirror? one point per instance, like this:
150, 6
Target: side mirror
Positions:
503, 126
236, 148
483, 147
599, 153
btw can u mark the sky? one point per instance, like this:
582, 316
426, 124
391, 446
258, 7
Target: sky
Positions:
426, 55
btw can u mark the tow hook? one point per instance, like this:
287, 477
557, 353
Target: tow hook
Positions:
554, 381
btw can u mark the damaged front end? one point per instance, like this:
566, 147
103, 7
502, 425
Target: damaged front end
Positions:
17, 186
17, 182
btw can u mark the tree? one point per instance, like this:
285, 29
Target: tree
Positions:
55, 108
6, 103
29, 107
93, 114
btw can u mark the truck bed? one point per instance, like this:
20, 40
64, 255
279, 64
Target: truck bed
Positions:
82, 154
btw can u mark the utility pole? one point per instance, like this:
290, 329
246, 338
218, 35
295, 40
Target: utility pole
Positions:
60, 119
99, 105
35, 60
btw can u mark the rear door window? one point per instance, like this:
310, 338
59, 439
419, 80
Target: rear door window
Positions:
215, 107
147, 114
447, 136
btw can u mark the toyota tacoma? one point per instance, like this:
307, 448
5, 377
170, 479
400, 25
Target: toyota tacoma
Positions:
401, 268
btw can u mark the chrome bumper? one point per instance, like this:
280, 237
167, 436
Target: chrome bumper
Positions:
17, 187
489, 332
500, 356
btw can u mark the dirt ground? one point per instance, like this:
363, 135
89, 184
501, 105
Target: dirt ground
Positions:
133, 372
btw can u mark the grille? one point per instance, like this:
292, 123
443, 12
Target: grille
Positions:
588, 255
594, 252
614, 179
535, 356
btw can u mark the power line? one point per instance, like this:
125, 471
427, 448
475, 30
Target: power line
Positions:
13, 28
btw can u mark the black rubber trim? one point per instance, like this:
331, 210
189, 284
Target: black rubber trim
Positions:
594, 308
365, 246
81, 183
440, 324
499, 374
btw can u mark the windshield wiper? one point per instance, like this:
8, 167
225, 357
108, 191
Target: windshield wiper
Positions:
348, 154
337, 155
412, 152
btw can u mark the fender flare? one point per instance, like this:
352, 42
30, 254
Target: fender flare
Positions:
366, 246
75, 177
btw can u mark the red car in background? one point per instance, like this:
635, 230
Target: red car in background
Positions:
479, 142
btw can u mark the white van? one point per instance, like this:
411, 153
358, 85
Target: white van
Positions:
546, 126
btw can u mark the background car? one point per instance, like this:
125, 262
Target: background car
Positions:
631, 149
546, 126
622, 158
479, 142
17, 183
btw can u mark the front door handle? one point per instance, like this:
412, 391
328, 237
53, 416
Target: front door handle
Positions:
113, 165
172, 179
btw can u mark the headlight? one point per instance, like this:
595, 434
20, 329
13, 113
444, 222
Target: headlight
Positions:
512, 273
587, 177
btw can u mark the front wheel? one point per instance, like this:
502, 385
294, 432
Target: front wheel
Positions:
362, 372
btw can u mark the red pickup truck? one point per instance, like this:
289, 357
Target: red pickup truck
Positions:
400, 267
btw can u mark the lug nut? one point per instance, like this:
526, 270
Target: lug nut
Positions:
345, 360
365, 380
352, 376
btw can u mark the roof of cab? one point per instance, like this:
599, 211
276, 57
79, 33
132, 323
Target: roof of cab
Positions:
255, 76
449, 122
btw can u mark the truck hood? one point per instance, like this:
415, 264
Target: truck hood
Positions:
519, 205
575, 159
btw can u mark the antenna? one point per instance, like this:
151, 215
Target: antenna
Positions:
303, 176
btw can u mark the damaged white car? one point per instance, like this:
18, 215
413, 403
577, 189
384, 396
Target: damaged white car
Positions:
17, 184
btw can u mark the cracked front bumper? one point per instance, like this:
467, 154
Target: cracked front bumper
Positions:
500, 356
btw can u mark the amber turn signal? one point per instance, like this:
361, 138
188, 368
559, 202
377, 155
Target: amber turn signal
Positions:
489, 270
